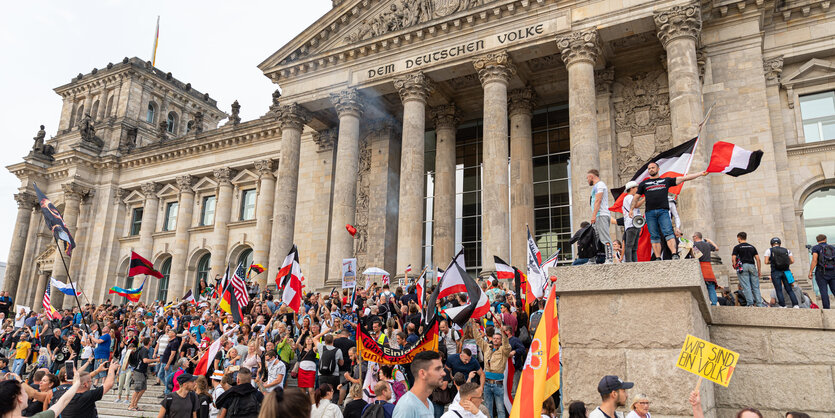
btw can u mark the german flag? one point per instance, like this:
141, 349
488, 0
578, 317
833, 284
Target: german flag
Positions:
139, 265
257, 268
229, 304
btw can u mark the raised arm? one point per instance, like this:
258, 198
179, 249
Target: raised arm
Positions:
67, 396
689, 177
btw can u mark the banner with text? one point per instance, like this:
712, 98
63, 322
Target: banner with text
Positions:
370, 350
707, 360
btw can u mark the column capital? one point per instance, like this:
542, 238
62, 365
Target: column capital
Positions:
150, 189
26, 200
347, 102
445, 116
184, 183
773, 68
521, 101
678, 22
603, 80
495, 66
579, 46
223, 175
74, 191
325, 139
414, 86
264, 168
119, 195
293, 116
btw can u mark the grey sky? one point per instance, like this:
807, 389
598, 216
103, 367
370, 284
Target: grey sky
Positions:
214, 45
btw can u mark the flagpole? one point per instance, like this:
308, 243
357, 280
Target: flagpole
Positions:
698, 137
69, 279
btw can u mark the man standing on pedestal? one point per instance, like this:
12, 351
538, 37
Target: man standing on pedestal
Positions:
600, 211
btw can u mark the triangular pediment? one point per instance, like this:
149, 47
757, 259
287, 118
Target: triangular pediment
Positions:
205, 184
168, 191
134, 197
355, 23
245, 176
813, 71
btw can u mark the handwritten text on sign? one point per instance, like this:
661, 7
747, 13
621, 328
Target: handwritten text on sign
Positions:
707, 360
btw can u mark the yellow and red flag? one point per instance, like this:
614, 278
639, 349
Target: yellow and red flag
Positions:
541, 373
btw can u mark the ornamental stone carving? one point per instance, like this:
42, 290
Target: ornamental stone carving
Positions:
347, 102
325, 139
25, 200
223, 175
264, 168
235, 117
414, 86
74, 191
773, 68
521, 101
445, 116
496, 66
603, 80
386, 125
149, 189
118, 195
363, 203
184, 183
678, 22
293, 116
580, 46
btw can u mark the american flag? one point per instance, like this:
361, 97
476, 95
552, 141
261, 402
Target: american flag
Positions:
239, 286
47, 306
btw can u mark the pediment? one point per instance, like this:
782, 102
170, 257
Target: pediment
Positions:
168, 191
134, 197
205, 184
46, 258
813, 71
245, 176
355, 23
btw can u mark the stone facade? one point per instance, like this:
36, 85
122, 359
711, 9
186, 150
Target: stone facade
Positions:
345, 142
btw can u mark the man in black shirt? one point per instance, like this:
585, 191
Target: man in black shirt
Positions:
169, 356
654, 191
746, 260
83, 404
140, 379
344, 343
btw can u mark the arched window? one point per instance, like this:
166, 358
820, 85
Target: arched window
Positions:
172, 122
203, 268
95, 110
162, 293
109, 110
79, 114
189, 125
152, 112
819, 216
245, 258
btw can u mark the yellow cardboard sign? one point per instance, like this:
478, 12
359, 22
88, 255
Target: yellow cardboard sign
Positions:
707, 360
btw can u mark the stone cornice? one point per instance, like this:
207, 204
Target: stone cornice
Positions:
791, 9
521, 101
579, 46
494, 67
445, 116
811, 147
678, 22
415, 86
347, 102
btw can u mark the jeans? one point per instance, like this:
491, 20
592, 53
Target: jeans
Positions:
750, 283
630, 252
439, 410
96, 363
711, 293
169, 379
580, 261
659, 224
824, 281
19, 363
779, 280
493, 394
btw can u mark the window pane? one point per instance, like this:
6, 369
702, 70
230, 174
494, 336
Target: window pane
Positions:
828, 129
470, 204
540, 168
171, 216
559, 166
817, 105
248, 205
540, 143
136, 221
559, 192
540, 195
469, 231
542, 220
208, 216
811, 132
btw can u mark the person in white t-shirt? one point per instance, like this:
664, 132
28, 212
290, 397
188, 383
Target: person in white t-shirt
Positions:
600, 218
613, 394
630, 241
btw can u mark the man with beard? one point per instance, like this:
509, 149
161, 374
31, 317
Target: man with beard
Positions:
613, 394
429, 374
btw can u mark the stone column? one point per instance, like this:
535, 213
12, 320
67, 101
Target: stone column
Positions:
43, 277
443, 224
146, 239
223, 213
179, 282
678, 30
292, 117
494, 71
25, 201
521, 105
264, 212
27, 279
349, 108
414, 89
73, 193
579, 52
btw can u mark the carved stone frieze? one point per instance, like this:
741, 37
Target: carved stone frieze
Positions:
445, 116
579, 46
347, 102
773, 68
363, 203
521, 101
495, 66
414, 86
677, 22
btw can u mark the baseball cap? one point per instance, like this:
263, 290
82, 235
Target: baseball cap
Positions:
609, 384
217, 375
186, 377
630, 184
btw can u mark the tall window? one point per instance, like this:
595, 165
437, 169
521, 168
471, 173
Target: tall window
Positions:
172, 122
429, 196
207, 213
170, 216
150, 116
818, 215
245, 258
551, 189
248, 204
818, 112
189, 125
203, 267
136, 221
109, 110
80, 115
162, 293
468, 149
95, 110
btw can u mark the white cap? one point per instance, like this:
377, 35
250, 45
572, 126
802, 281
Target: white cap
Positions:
630, 184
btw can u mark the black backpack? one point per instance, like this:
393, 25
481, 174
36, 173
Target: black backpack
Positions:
780, 258
327, 364
246, 406
827, 257
374, 410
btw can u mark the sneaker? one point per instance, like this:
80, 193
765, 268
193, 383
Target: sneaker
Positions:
675, 257
783, 307
796, 307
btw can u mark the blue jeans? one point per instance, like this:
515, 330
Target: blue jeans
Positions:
18, 365
169, 379
96, 363
750, 283
580, 261
824, 281
659, 224
439, 410
711, 293
493, 394
779, 280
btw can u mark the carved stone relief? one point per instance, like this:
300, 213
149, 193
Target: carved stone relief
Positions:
363, 202
642, 119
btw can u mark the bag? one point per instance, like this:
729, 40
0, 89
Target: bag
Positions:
327, 364
374, 410
779, 258
295, 372
789, 276
827, 257
166, 403
243, 406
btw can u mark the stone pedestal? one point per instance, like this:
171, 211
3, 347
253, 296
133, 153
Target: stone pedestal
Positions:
179, 283
521, 104
494, 71
344, 209
443, 220
630, 320
413, 90
579, 53
263, 212
25, 202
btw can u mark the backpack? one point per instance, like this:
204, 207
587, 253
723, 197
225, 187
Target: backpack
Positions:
374, 410
246, 406
780, 259
827, 257
327, 364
